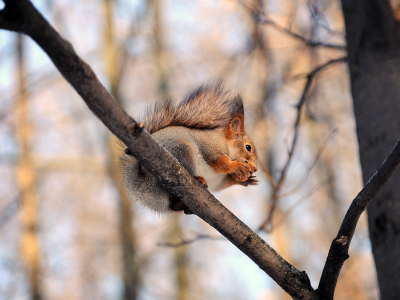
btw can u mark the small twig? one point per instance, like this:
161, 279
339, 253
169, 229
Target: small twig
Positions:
316, 14
300, 201
321, 67
185, 242
270, 178
338, 252
305, 176
281, 179
264, 20
22, 16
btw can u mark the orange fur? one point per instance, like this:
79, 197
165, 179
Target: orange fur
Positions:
202, 180
232, 132
241, 168
218, 155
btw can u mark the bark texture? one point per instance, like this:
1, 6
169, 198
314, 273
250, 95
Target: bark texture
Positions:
374, 60
21, 16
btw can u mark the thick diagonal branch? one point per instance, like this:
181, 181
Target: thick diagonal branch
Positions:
22, 16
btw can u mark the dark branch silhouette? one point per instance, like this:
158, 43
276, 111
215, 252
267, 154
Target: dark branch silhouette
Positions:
338, 252
21, 16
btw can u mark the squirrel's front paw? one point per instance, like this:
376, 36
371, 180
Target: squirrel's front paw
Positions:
250, 181
243, 170
202, 181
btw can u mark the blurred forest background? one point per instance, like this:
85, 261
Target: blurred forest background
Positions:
67, 231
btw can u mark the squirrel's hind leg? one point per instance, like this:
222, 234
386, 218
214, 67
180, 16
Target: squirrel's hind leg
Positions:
177, 205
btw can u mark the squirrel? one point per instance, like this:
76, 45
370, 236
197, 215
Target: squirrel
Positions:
205, 133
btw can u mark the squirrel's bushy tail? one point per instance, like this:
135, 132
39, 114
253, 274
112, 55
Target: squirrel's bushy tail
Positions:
208, 107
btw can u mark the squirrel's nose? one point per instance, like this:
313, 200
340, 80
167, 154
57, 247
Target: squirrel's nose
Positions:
255, 169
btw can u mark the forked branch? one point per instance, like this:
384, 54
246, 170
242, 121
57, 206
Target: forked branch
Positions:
338, 252
21, 16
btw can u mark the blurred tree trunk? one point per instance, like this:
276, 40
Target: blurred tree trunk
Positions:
129, 263
374, 58
162, 81
26, 179
180, 260
180, 257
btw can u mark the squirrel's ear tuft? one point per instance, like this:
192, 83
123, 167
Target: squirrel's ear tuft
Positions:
236, 128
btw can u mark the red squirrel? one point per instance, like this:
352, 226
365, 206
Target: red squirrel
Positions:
205, 133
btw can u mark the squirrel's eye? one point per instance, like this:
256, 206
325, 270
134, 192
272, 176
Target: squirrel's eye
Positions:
248, 148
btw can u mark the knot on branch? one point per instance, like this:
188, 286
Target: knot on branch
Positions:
247, 238
338, 250
303, 277
342, 240
168, 181
136, 129
300, 280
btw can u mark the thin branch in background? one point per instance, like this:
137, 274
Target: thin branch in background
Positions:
185, 242
21, 16
260, 18
263, 20
311, 167
270, 178
321, 67
301, 200
317, 15
266, 225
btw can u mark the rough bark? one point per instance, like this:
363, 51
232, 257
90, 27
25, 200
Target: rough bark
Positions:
21, 16
374, 59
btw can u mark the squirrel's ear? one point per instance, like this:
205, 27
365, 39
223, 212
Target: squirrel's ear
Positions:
236, 128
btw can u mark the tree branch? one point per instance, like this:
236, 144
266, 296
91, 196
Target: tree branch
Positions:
23, 17
308, 42
266, 225
338, 252
184, 242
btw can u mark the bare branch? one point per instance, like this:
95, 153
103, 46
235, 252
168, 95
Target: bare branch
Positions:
301, 200
260, 18
266, 226
264, 20
310, 168
338, 252
185, 242
22, 16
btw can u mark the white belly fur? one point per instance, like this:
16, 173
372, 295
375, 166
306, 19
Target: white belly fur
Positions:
213, 179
